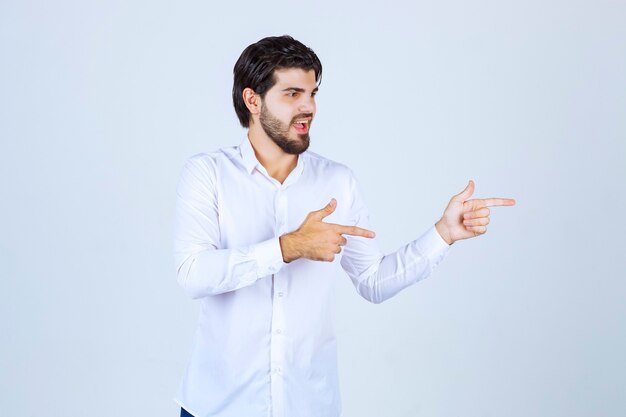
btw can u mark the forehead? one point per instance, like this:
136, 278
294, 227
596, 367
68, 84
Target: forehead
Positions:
295, 77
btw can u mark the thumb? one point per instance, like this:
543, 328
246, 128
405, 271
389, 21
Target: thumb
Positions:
330, 207
466, 193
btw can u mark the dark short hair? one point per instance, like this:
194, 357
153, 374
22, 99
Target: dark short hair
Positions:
255, 68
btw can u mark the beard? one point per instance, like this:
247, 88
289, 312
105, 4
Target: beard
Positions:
279, 132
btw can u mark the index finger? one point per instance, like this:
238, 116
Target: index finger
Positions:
353, 231
492, 202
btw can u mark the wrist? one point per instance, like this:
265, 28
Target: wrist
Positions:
443, 231
288, 246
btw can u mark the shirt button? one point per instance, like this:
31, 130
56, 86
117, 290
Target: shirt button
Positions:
279, 331
280, 294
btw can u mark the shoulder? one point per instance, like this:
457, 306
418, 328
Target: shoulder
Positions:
325, 166
207, 163
200, 166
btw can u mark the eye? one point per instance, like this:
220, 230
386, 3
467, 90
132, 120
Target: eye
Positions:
292, 93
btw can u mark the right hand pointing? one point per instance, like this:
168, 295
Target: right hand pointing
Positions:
317, 240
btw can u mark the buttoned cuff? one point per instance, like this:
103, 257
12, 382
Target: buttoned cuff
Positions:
269, 256
433, 246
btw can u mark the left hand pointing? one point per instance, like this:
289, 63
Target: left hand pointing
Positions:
463, 218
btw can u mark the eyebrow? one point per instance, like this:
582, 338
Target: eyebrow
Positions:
300, 90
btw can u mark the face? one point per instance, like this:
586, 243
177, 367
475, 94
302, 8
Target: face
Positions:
288, 109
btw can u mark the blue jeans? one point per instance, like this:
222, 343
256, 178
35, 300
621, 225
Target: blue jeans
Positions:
184, 413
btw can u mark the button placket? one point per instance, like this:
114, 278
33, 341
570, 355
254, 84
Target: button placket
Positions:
277, 336
280, 210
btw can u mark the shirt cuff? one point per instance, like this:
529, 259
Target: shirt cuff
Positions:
269, 256
433, 246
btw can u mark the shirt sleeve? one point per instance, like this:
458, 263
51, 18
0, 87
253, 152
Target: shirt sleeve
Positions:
377, 276
203, 268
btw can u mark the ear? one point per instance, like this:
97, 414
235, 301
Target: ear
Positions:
252, 100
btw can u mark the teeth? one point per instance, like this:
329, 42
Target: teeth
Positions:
302, 121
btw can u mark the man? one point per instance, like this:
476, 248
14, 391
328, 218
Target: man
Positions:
260, 231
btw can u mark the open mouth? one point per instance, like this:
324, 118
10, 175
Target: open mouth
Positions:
302, 125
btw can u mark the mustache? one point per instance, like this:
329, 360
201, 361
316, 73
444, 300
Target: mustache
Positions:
302, 116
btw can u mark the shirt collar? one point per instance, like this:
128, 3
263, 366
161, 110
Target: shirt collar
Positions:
250, 161
247, 155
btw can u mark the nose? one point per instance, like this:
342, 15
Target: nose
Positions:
307, 105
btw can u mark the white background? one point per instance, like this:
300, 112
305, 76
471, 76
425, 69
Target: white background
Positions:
101, 103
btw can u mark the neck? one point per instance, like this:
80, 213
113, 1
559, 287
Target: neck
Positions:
276, 162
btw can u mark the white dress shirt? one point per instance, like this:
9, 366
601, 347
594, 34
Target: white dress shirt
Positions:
265, 342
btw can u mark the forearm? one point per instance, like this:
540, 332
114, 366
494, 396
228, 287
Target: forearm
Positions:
402, 268
214, 271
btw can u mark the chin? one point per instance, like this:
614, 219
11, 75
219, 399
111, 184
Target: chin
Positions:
300, 146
